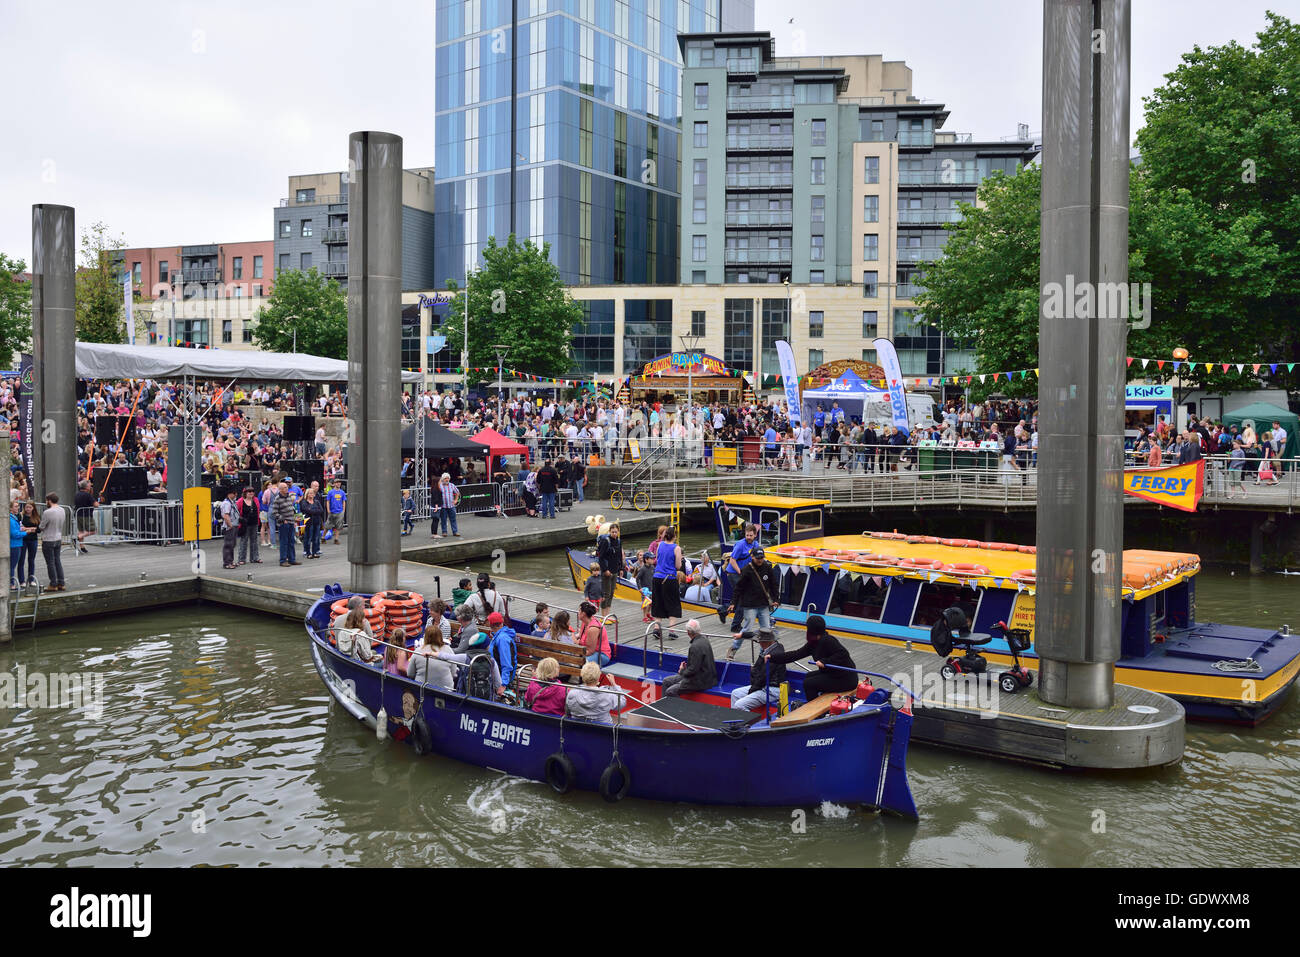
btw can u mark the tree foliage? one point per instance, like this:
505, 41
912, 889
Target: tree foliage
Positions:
309, 304
1214, 226
15, 311
100, 316
518, 299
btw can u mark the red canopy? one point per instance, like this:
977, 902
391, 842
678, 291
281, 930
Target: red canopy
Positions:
498, 444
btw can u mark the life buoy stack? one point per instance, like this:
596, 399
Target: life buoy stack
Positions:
401, 609
375, 617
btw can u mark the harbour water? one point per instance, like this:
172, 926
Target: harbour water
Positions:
214, 744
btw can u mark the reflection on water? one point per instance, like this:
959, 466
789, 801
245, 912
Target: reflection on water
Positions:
217, 746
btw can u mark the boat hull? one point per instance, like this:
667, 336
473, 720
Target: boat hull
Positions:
856, 759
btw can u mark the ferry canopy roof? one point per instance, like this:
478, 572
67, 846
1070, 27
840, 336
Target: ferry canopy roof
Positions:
102, 360
767, 501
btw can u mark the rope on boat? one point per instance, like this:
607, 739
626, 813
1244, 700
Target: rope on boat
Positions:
1249, 665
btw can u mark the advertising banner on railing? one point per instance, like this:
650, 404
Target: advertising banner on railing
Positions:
27, 420
790, 377
888, 360
1178, 486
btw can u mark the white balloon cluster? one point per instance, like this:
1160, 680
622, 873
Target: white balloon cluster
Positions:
596, 524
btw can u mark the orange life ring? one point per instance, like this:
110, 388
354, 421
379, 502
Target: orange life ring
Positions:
967, 542
953, 542
966, 568
883, 560
999, 546
1027, 549
801, 552
928, 563
891, 536
1027, 575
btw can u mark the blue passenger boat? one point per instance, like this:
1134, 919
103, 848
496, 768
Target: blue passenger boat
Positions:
889, 588
693, 749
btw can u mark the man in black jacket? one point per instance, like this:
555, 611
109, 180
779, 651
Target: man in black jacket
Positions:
755, 598
699, 671
824, 650
609, 551
547, 482
764, 676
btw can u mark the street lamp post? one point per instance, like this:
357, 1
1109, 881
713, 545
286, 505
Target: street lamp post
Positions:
690, 342
502, 351
295, 331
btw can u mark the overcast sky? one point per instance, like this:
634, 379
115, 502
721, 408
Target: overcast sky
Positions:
179, 122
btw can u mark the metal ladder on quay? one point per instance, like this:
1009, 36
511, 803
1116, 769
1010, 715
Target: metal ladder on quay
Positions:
16, 598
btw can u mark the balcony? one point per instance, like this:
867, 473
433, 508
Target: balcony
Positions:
765, 217
938, 177
760, 104
337, 270
760, 141
919, 254
908, 290
929, 217
335, 234
327, 199
916, 137
743, 64
760, 180
741, 256
198, 274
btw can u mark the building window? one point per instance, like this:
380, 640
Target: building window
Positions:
818, 132
819, 170
697, 322
869, 355
814, 359
871, 209
816, 324
700, 172
818, 209
136, 273
257, 267
162, 271
877, 129
870, 247
701, 96
871, 170
700, 210
306, 228
284, 261
738, 333
305, 261
227, 330
816, 275
247, 334
869, 324
699, 248
257, 291
697, 276
306, 195
702, 136
869, 280
237, 268
284, 229
818, 252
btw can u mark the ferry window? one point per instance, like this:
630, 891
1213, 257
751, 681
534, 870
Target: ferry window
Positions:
794, 585
936, 596
863, 597
808, 520
736, 530
769, 529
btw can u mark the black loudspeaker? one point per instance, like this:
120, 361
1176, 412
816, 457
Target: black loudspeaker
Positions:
251, 480
81, 389
124, 482
105, 430
299, 428
304, 471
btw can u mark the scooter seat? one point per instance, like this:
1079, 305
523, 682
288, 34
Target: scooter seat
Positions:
973, 639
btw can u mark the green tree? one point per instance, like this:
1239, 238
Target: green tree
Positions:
99, 311
310, 306
1217, 237
517, 298
15, 311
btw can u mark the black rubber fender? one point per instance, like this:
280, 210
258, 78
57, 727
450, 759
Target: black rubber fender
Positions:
616, 770
560, 773
421, 737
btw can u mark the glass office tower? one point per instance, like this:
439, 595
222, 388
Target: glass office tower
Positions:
590, 163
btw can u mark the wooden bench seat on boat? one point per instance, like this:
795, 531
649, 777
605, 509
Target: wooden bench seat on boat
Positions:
816, 708
531, 650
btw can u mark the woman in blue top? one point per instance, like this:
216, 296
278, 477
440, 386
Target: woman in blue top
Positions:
16, 535
665, 598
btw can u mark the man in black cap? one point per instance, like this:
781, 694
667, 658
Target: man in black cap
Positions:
757, 588
825, 650
764, 676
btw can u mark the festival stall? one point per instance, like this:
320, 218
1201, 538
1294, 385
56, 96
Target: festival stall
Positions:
864, 402
669, 377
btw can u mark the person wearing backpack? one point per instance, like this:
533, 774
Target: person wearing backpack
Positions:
485, 601
503, 648
482, 679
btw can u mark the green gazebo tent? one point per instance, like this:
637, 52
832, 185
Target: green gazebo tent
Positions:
1261, 416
